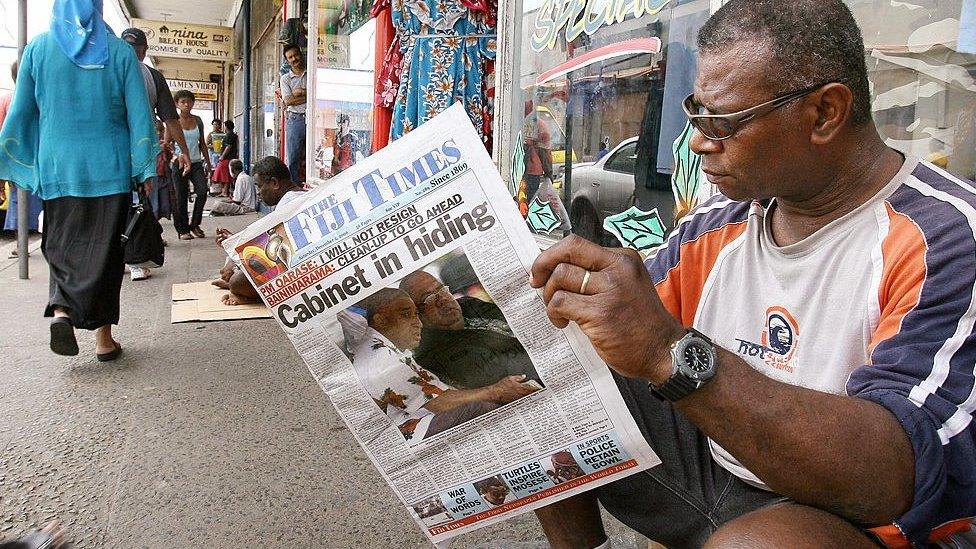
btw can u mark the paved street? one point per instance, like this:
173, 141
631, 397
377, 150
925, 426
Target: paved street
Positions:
202, 435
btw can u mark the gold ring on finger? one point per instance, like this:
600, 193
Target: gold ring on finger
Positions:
586, 280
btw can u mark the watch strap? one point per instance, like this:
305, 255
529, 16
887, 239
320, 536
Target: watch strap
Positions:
675, 388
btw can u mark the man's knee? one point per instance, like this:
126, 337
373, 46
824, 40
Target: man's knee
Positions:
788, 525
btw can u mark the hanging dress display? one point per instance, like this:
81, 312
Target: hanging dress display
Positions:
387, 74
448, 53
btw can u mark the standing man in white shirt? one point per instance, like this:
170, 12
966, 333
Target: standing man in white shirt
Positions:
293, 93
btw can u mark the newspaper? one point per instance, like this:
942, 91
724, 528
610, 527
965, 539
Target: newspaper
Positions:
471, 404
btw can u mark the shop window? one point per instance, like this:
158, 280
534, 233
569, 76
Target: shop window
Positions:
343, 70
594, 114
923, 88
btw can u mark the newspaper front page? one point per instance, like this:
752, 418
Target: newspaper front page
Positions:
403, 284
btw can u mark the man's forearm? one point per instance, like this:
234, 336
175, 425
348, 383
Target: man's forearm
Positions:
843, 454
452, 398
293, 100
175, 131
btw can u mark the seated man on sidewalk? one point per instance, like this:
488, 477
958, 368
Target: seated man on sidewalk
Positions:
415, 400
244, 200
825, 395
275, 187
466, 341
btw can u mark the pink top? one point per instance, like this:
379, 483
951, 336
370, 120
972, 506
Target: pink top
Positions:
5, 101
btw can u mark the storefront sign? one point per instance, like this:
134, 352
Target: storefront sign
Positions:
333, 51
182, 41
203, 91
585, 16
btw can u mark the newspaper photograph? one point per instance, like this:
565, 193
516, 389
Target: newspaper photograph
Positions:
403, 285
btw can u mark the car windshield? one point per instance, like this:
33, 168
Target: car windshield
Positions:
624, 160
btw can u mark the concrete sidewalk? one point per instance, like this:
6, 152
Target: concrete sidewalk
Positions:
202, 435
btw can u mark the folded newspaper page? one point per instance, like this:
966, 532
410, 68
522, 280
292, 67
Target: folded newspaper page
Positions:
403, 284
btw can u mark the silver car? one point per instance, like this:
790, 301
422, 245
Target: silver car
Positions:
606, 187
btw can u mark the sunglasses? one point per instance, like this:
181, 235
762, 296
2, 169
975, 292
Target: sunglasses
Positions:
718, 127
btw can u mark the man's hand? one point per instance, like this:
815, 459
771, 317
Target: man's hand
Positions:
221, 235
620, 311
147, 186
510, 389
185, 164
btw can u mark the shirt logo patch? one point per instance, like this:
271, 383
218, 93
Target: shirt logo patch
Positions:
778, 340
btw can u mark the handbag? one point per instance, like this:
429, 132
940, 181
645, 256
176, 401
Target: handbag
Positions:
142, 239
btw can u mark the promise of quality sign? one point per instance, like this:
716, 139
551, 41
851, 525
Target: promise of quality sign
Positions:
184, 41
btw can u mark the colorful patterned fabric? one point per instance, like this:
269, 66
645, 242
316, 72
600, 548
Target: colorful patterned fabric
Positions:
447, 56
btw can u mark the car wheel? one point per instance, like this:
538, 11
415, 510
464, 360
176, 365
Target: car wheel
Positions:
586, 222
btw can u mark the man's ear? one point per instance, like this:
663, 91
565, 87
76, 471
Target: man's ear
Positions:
833, 104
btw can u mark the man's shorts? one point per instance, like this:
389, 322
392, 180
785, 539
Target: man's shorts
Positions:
681, 502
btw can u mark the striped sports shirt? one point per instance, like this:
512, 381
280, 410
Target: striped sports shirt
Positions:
878, 304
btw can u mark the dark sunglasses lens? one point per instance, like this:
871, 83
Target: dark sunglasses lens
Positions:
714, 128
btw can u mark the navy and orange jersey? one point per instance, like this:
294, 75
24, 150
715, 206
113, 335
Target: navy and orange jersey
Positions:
879, 304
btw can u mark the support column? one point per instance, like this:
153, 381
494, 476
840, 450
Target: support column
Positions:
23, 201
246, 118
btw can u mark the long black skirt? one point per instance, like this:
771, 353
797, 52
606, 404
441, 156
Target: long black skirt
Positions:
83, 249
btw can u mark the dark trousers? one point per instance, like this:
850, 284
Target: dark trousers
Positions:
199, 179
681, 502
82, 243
295, 145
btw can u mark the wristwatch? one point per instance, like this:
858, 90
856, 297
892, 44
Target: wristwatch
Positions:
693, 361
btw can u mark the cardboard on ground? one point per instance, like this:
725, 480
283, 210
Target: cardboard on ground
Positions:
201, 302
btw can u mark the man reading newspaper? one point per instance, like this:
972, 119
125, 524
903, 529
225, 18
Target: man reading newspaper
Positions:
819, 388
329, 265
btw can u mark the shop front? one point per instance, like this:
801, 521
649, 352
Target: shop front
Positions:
266, 138
587, 115
380, 69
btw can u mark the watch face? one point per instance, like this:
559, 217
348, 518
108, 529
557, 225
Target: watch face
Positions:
698, 358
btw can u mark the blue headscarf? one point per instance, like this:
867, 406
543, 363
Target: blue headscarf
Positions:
80, 32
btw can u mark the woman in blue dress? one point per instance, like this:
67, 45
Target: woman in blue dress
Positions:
78, 83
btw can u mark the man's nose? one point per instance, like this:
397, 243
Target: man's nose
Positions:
702, 145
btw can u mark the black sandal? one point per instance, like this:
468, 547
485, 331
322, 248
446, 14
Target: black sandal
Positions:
111, 355
63, 340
